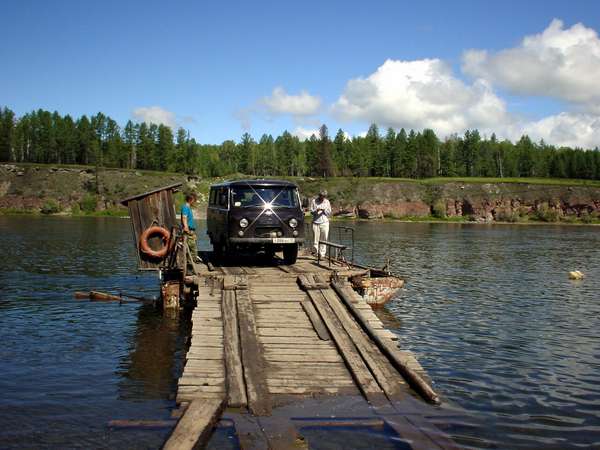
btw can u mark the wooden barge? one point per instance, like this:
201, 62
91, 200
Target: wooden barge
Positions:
280, 349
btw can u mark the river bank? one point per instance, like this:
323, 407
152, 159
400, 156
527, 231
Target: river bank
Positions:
79, 190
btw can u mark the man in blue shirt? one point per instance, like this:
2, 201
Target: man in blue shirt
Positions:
187, 223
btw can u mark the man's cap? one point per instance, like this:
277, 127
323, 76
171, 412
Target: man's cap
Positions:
323, 193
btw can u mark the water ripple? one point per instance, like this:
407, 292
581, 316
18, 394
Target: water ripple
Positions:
504, 334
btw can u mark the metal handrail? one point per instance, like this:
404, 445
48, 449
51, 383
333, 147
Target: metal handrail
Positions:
344, 234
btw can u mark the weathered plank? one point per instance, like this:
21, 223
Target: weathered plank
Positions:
294, 332
360, 372
384, 373
259, 400
304, 390
272, 357
195, 426
316, 320
236, 389
415, 380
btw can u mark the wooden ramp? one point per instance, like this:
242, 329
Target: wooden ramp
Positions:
281, 349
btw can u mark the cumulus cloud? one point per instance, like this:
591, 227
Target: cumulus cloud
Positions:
304, 133
281, 103
156, 115
420, 94
561, 63
566, 129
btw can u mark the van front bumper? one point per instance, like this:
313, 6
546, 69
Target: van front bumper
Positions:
255, 240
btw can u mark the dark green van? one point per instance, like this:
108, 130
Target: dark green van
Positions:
256, 215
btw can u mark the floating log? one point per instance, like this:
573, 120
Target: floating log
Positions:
97, 296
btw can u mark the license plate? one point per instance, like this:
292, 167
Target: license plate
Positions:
283, 240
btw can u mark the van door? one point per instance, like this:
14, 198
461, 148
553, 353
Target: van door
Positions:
218, 215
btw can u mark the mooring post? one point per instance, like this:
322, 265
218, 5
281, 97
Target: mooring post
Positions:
170, 291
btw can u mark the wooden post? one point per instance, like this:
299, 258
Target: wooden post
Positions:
170, 294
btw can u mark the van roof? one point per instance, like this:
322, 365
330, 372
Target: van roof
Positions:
256, 182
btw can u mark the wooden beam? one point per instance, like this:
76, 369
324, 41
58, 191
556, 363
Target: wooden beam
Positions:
259, 400
360, 372
384, 373
316, 320
195, 426
413, 378
236, 388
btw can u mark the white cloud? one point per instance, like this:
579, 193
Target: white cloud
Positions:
561, 63
420, 94
566, 129
156, 115
301, 105
304, 133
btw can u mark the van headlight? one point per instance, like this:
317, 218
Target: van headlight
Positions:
293, 223
243, 223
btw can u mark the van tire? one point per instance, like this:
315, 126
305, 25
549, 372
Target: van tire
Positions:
290, 254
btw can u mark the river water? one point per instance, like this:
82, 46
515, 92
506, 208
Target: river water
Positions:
509, 341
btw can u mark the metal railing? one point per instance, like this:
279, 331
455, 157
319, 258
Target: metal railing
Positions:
335, 251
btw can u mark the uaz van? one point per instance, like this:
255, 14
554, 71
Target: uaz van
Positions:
256, 215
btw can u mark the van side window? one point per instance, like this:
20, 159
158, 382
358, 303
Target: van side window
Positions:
223, 198
213, 197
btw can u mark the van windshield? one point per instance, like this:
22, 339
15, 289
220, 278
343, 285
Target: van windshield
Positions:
250, 196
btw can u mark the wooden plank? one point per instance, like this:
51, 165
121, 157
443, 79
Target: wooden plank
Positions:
195, 426
272, 357
258, 398
415, 380
315, 320
310, 382
236, 388
201, 380
360, 372
328, 351
293, 332
306, 390
384, 373
297, 340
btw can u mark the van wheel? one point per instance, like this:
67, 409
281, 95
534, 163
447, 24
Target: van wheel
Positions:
290, 254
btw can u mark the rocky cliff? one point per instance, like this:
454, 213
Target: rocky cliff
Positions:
34, 188
476, 201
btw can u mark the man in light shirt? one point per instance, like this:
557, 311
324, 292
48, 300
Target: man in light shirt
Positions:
320, 208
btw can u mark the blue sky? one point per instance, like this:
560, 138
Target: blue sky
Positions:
214, 68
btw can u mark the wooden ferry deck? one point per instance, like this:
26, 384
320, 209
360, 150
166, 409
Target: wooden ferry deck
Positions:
276, 349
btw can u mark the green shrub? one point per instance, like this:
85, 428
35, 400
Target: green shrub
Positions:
75, 209
50, 206
545, 213
507, 215
439, 209
586, 217
88, 203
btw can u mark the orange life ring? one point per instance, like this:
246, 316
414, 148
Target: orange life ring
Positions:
151, 232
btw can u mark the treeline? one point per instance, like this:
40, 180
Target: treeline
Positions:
45, 137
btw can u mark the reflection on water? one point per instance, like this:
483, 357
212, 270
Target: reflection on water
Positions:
509, 341
503, 332
155, 360
68, 366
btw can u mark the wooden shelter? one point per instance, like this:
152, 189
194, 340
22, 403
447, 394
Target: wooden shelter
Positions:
152, 208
